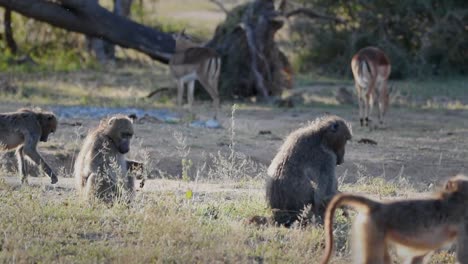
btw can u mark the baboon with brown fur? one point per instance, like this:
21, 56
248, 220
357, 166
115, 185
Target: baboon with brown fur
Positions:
417, 226
303, 171
101, 169
22, 130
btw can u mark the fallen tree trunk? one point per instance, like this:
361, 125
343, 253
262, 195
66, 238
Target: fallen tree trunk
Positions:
88, 17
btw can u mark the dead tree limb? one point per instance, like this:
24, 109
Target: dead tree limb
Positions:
220, 5
88, 17
10, 41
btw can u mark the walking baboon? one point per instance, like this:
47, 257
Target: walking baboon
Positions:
101, 169
417, 227
22, 130
303, 171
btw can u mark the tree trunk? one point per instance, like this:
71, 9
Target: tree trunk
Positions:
89, 18
103, 50
253, 65
10, 41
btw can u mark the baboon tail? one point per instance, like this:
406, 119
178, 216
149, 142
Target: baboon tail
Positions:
359, 203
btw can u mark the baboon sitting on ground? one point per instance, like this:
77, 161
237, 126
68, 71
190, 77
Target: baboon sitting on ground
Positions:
101, 170
303, 171
22, 130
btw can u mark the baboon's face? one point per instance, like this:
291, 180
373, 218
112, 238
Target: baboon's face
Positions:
48, 124
335, 137
120, 130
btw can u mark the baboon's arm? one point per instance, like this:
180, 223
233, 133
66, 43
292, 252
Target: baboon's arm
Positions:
326, 182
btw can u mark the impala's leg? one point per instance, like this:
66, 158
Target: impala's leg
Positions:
367, 107
383, 100
360, 103
190, 92
370, 99
180, 92
378, 97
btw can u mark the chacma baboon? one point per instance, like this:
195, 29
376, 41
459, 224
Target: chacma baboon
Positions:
22, 130
101, 170
303, 171
417, 227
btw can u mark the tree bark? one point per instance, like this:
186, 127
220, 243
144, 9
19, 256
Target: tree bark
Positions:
253, 65
104, 50
88, 17
10, 41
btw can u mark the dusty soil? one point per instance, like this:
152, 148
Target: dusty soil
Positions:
422, 146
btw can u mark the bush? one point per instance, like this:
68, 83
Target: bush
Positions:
420, 37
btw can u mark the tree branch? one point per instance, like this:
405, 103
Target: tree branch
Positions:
220, 5
312, 14
10, 41
88, 17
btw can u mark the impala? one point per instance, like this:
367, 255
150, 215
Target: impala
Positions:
371, 69
192, 62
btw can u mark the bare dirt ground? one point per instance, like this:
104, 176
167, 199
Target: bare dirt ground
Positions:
422, 146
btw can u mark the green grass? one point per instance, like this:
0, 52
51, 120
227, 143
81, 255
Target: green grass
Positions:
44, 225
51, 226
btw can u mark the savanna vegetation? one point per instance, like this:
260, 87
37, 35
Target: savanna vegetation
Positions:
204, 183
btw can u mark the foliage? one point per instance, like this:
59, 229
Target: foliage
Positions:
420, 37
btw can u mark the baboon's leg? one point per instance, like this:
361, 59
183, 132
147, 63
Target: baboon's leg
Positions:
30, 151
90, 188
387, 259
462, 242
190, 92
180, 92
368, 243
21, 165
